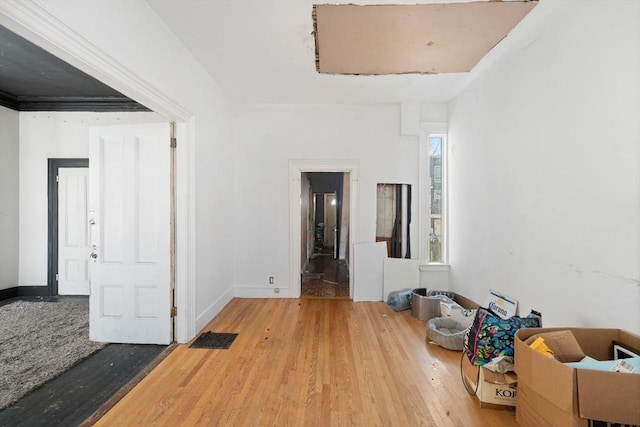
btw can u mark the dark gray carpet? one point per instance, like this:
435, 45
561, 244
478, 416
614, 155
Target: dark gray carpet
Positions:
71, 398
40, 340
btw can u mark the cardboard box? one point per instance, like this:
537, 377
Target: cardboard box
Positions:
494, 390
464, 301
454, 310
462, 309
553, 394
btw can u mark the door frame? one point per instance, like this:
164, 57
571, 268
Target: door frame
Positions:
36, 24
296, 169
52, 234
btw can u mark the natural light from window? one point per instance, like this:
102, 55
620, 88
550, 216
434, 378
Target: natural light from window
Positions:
436, 205
433, 195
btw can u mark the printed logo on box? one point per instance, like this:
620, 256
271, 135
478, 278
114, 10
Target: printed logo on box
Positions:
504, 393
498, 307
501, 304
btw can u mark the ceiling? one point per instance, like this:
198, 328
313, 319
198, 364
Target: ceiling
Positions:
263, 51
258, 51
410, 38
32, 79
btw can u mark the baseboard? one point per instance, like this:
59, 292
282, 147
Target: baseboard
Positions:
33, 291
9, 293
203, 319
24, 291
261, 292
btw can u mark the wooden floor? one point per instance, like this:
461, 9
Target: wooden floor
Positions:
308, 362
325, 277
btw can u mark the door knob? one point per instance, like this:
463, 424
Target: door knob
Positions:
93, 255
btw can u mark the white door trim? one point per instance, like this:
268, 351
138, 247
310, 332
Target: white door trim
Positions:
296, 169
34, 23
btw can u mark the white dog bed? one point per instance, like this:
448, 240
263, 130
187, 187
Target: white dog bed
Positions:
446, 332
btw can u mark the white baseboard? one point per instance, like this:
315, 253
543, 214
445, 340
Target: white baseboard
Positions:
261, 292
213, 310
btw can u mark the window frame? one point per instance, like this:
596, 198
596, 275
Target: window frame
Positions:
428, 130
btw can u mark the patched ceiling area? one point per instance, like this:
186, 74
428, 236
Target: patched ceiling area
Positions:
416, 38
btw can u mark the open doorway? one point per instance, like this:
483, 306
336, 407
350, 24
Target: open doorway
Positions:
325, 235
67, 239
300, 197
68, 254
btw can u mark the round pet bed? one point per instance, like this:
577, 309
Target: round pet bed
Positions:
446, 332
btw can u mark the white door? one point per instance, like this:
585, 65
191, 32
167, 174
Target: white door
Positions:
129, 202
73, 239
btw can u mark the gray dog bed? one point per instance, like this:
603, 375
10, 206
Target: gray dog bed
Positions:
446, 332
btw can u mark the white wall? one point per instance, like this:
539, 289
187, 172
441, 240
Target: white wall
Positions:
545, 168
267, 137
130, 34
9, 138
45, 135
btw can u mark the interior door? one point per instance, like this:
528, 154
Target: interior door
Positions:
73, 239
129, 217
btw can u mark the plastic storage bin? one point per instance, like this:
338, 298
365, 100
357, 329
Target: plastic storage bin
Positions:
424, 307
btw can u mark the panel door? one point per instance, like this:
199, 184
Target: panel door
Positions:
129, 216
73, 237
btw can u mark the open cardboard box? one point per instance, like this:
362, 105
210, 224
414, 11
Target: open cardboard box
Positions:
494, 390
553, 394
462, 309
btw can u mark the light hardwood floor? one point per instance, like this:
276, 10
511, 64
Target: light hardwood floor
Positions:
308, 362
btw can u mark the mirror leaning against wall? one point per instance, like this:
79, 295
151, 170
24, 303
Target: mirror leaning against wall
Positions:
393, 218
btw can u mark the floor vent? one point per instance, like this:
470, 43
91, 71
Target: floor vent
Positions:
216, 340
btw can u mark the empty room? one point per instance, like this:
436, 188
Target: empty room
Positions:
281, 172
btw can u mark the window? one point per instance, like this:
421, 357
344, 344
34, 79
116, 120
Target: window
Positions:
435, 199
433, 181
